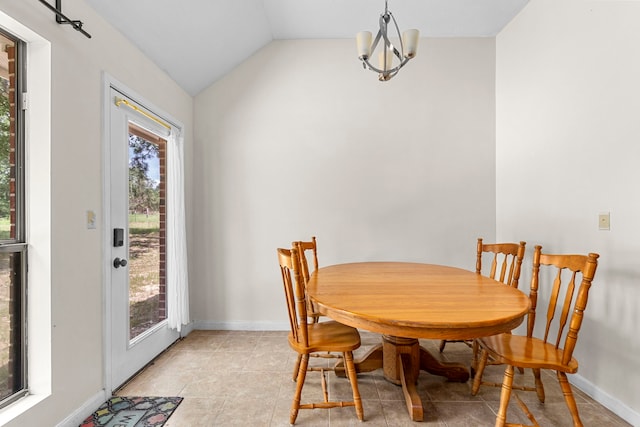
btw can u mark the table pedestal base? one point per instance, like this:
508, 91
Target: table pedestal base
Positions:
401, 360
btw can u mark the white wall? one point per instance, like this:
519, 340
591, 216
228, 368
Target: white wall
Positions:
568, 130
76, 186
300, 141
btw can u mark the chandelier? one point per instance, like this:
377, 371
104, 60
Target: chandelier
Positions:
387, 51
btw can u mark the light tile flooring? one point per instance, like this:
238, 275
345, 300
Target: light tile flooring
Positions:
242, 378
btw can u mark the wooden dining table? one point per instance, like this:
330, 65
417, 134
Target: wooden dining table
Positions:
406, 301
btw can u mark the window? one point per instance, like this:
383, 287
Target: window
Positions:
147, 230
13, 247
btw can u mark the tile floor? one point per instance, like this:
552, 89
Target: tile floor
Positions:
243, 378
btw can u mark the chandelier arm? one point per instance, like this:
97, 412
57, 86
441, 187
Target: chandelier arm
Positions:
371, 67
393, 70
383, 30
401, 53
386, 77
387, 43
375, 41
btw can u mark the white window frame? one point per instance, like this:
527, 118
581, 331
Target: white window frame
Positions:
37, 216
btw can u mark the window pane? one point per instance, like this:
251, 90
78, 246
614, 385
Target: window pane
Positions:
7, 138
147, 289
10, 324
13, 250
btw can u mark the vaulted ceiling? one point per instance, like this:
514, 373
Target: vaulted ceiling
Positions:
198, 41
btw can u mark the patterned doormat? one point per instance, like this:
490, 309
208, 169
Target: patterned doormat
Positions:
133, 412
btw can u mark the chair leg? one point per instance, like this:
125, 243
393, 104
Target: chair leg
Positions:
484, 355
505, 396
569, 399
302, 373
539, 386
442, 344
475, 347
353, 379
296, 367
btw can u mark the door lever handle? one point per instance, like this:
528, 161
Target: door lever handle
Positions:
117, 263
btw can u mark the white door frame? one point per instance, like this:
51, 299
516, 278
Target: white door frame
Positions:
110, 83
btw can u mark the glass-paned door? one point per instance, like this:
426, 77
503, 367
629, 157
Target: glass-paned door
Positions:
137, 283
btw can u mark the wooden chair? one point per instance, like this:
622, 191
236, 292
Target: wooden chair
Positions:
308, 338
565, 301
308, 251
509, 257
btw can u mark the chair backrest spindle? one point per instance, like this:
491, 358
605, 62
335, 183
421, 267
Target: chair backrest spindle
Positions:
303, 247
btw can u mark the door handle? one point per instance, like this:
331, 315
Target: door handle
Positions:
117, 263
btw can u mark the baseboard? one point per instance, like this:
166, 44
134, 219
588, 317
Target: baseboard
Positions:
605, 399
240, 326
79, 415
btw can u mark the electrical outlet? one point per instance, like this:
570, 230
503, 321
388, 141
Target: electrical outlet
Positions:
604, 221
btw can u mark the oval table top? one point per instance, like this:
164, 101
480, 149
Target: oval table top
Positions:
416, 300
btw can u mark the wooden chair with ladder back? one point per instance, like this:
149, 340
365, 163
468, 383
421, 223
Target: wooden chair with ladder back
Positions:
508, 257
567, 302
308, 255
308, 338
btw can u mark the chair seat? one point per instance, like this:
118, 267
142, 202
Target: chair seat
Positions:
328, 336
525, 352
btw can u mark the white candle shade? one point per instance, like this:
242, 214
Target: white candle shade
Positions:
363, 40
410, 41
